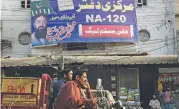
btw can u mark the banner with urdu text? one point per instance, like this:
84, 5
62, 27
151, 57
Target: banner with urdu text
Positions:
64, 21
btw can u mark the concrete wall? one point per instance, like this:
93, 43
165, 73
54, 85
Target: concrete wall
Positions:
177, 14
14, 21
152, 17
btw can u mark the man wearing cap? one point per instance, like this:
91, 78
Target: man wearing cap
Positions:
40, 9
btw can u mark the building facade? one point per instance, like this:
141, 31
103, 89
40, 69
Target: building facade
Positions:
156, 25
155, 21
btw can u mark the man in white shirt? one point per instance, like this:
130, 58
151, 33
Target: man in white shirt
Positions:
154, 103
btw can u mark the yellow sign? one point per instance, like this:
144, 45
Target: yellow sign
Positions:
19, 100
20, 91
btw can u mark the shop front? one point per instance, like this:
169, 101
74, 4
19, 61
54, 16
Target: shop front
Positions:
123, 83
136, 84
168, 87
132, 79
128, 86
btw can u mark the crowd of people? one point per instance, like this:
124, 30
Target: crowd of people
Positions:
68, 91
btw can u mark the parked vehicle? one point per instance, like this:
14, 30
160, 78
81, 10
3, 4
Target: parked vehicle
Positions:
25, 92
106, 100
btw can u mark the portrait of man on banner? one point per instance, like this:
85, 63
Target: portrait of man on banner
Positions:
40, 29
40, 9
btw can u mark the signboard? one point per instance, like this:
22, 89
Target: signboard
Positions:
63, 21
20, 91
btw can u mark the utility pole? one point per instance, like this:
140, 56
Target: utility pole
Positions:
62, 63
59, 68
177, 36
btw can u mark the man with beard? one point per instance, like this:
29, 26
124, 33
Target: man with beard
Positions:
40, 30
72, 95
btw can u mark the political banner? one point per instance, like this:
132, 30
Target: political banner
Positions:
65, 21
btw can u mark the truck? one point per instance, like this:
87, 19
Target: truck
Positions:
25, 92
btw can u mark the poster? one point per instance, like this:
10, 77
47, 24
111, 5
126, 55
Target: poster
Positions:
123, 94
63, 21
20, 91
123, 91
132, 93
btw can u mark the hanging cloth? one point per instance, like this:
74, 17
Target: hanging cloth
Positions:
160, 86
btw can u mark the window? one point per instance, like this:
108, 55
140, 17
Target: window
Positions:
25, 4
24, 38
129, 78
76, 46
5, 44
144, 36
140, 3
83, 46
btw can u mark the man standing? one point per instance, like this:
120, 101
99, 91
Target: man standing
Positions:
167, 98
154, 103
71, 95
40, 30
64, 77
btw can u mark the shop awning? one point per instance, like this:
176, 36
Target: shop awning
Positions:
125, 60
101, 60
26, 61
